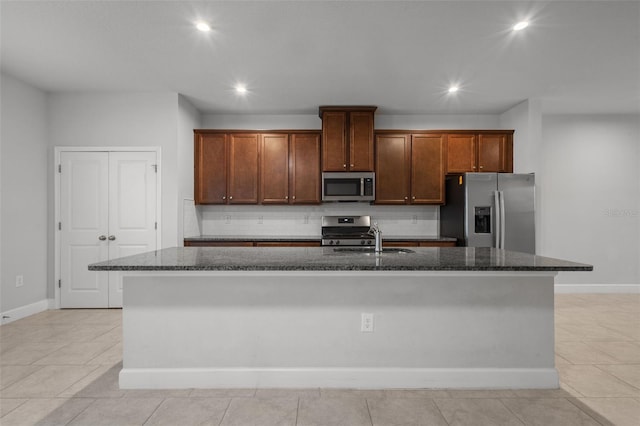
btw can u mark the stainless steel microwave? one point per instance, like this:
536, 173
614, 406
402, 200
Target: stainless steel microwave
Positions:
348, 186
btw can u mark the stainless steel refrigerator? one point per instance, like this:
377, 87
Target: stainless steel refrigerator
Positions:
490, 210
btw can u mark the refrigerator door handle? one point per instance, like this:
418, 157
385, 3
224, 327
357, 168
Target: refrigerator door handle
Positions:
498, 218
502, 219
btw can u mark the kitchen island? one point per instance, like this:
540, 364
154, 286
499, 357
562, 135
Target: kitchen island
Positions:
201, 317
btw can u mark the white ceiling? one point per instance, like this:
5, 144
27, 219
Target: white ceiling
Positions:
576, 56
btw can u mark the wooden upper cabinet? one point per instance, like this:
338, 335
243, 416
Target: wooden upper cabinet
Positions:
334, 141
210, 168
480, 151
360, 141
304, 169
427, 168
410, 168
347, 139
461, 153
392, 168
243, 168
495, 153
290, 168
274, 169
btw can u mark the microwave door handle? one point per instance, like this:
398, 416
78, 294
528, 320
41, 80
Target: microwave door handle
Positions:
361, 186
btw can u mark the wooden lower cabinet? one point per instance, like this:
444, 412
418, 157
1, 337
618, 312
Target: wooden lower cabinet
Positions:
400, 243
288, 244
249, 243
218, 244
410, 168
418, 243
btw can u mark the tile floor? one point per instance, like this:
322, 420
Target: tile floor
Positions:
61, 367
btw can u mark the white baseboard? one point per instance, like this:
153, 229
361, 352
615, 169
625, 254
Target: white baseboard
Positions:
597, 288
358, 378
25, 311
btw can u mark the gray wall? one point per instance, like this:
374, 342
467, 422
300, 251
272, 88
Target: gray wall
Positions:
23, 194
591, 195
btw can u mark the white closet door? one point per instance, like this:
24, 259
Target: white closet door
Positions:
132, 210
84, 195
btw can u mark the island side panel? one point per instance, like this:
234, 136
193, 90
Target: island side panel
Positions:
292, 329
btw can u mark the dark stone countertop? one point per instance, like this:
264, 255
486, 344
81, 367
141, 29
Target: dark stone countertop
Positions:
258, 238
326, 259
307, 238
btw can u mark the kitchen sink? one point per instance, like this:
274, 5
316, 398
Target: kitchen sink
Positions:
371, 250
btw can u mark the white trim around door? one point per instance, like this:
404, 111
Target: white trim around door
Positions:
57, 205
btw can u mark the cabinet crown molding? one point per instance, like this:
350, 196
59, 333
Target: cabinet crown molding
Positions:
346, 108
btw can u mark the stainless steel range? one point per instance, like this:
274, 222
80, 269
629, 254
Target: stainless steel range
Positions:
347, 231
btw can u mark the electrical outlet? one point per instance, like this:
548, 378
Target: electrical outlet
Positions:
415, 219
366, 325
19, 280
227, 219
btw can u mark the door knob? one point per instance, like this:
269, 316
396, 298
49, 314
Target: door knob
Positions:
112, 237
102, 237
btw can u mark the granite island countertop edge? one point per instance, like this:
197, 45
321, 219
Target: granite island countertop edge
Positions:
324, 259
308, 238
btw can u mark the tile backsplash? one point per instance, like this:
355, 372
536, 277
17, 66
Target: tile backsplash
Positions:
264, 220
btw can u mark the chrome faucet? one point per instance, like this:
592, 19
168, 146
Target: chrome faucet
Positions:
377, 233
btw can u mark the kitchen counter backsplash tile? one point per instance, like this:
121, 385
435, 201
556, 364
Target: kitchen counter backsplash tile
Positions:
327, 259
306, 220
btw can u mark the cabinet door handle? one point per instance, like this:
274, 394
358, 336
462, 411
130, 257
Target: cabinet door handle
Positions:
102, 237
231, 198
224, 197
413, 198
481, 167
351, 165
286, 197
344, 166
294, 197
406, 198
112, 237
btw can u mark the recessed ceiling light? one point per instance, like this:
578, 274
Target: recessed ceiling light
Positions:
241, 89
520, 26
203, 26
453, 89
